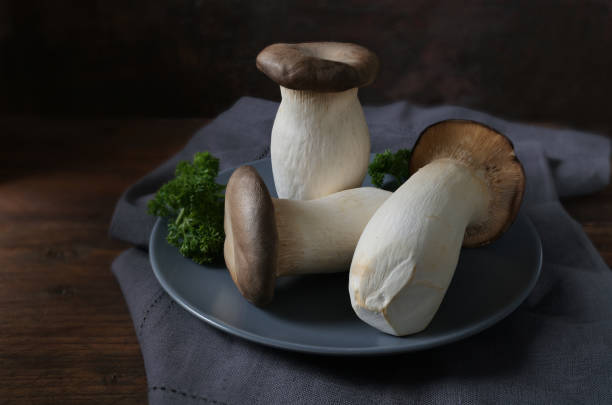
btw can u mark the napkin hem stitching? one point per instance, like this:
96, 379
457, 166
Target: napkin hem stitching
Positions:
185, 394
149, 308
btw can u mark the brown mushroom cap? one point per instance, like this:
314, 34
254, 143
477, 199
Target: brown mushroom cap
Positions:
488, 153
250, 248
319, 66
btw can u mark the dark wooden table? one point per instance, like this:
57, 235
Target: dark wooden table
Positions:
65, 332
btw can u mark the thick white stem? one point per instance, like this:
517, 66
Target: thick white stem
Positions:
407, 254
320, 236
320, 144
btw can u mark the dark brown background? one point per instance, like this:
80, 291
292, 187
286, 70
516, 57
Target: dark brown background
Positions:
531, 60
95, 94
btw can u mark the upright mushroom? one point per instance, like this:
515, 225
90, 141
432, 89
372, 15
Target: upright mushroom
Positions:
320, 140
268, 237
466, 188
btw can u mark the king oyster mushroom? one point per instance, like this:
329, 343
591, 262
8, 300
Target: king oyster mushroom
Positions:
320, 140
268, 237
466, 188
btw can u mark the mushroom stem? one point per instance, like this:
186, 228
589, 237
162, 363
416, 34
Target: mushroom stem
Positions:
319, 236
267, 237
466, 188
408, 252
315, 135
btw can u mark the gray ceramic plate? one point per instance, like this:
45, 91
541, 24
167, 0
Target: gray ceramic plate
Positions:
313, 313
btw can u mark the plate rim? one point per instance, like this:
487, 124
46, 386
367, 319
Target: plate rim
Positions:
463, 333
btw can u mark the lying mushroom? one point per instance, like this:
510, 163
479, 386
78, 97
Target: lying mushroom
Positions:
466, 188
320, 140
268, 237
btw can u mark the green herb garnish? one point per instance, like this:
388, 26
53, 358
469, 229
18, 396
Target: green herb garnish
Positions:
394, 164
193, 204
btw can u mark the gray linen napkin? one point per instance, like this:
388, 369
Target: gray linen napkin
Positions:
555, 348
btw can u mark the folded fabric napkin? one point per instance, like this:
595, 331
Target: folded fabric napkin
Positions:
555, 348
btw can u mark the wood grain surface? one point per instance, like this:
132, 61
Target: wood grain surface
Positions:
65, 332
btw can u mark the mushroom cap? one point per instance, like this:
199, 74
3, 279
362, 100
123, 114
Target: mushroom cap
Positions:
491, 155
251, 240
319, 66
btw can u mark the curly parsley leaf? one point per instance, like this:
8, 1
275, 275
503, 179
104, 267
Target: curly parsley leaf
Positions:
396, 165
193, 204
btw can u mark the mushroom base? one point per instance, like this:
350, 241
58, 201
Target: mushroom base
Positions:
408, 252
